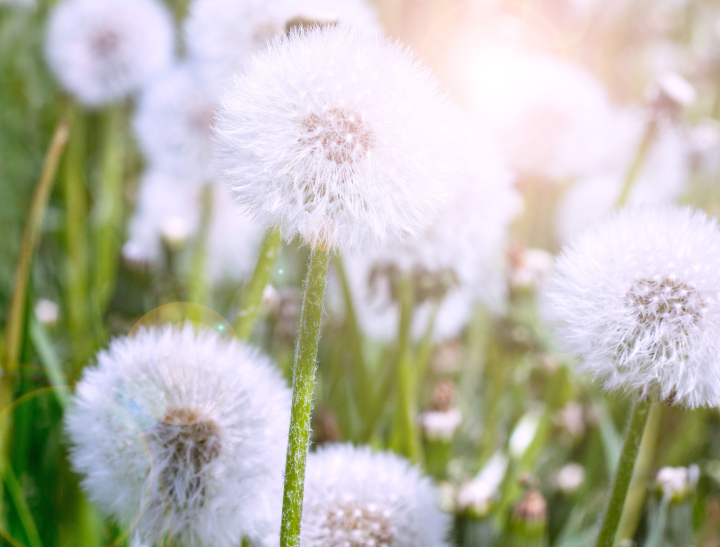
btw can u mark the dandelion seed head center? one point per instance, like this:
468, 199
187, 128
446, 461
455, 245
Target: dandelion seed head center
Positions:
342, 137
659, 300
355, 524
105, 42
429, 285
189, 436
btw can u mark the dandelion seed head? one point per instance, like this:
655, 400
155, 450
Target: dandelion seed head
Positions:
173, 124
103, 50
661, 180
336, 135
458, 261
636, 298
551, 117
221, 34
170, 206
181, 433
357, 498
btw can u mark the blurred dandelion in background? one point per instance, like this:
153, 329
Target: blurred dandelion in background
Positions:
513, 204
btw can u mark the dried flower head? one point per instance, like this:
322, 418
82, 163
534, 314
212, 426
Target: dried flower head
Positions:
336, 135
356, 498
637, 298
181, 434
221, 34
173, 124
103, 50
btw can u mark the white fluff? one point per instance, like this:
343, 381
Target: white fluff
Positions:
337, 136
221, 34
354, 497
164, 201
103, 50
636, 297
182, 434
551, 116
661, 180
173, 124
465, 247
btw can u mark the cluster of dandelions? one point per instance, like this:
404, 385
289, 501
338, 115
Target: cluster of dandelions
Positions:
181, 434
192, 427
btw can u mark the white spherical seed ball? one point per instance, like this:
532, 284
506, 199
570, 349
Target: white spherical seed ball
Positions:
551, 117
162, 200
661, 180
357, 498
103, 50
338, 136
457, 262
181, 434
173, 124
637, 298
234, 240
221, 34
168, 204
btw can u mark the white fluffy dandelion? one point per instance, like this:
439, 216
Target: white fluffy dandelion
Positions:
354, 497
661, 180
181, 435
170, 205
550, 116
457, 262
103, 50
637, 298
163, 203
337, 136
173, 124
221, 34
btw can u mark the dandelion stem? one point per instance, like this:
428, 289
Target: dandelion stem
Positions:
657, 532
303, 381
624, 472
406, 439
76, 238
640, 155
643, 467
253, 294
198, 280
364, 393
108, 209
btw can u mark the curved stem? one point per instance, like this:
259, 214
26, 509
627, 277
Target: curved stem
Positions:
640, 155
253, 294
16, 323
303, 382
624, 472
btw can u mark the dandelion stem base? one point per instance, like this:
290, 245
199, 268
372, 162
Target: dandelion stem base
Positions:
303, 382
623, 475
